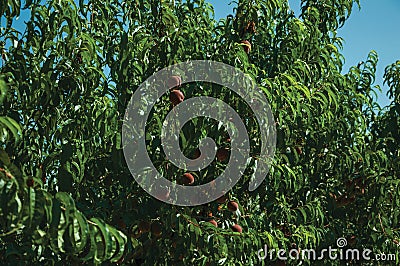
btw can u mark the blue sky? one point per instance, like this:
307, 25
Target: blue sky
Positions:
374, 27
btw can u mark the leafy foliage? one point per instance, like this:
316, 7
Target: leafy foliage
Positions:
67, 195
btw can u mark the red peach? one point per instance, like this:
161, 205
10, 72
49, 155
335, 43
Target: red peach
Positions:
176, 97
144, 226
163, 194
232, 206
222, 199
222, 154
30, 182
246, 46
156, 229
213, 222
236, 228
174, 82
187, 179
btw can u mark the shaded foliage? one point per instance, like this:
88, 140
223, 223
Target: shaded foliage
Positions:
67, 195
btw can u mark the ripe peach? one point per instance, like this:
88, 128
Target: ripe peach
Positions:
163, 194
196, 154
176, 97
144, 226
174, 82
213, 222
187, 179
246, 46
236, 228
30, 182
156, 229
222, 199
232, 206
222, 154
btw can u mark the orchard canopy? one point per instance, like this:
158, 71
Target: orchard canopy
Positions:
66, 77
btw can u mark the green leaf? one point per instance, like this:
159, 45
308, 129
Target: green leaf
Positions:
10, 124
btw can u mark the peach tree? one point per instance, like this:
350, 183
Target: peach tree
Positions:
67, 196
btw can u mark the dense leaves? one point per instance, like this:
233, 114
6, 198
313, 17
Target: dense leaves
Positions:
65, 80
